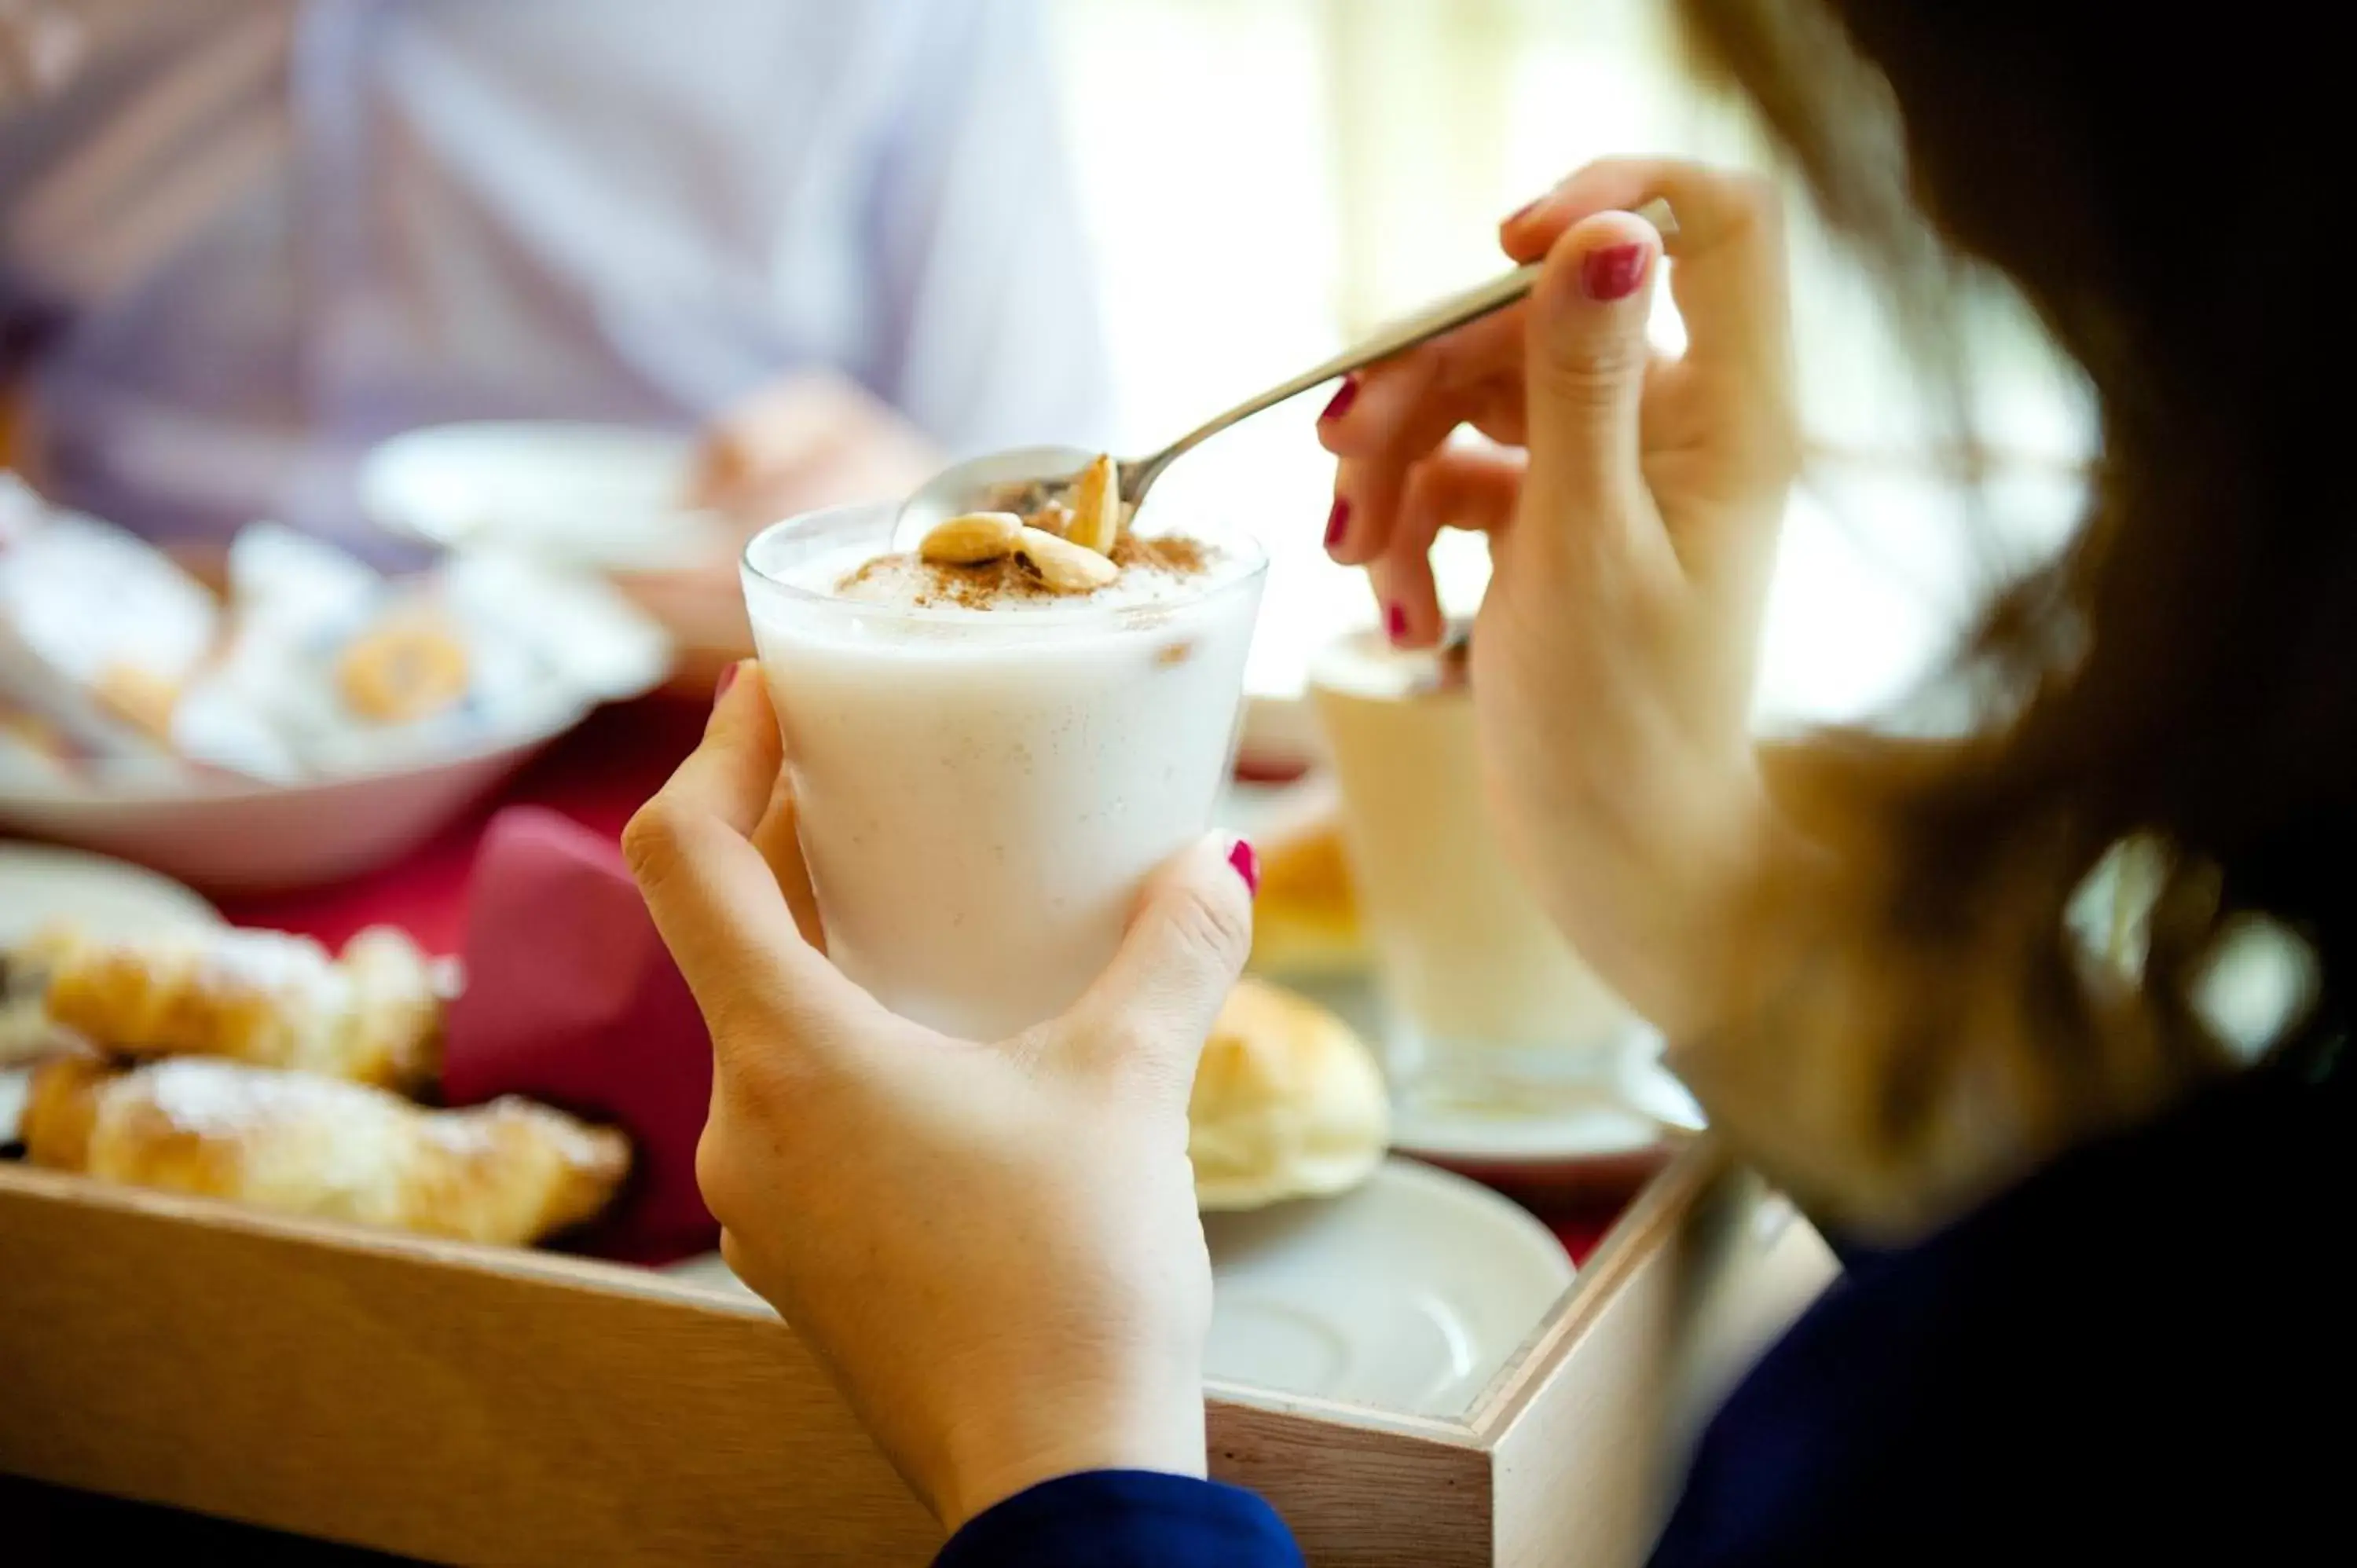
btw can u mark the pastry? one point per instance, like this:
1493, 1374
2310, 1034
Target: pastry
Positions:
1288, 1103
139, 697
509, 1172
1305, 919
408, 667
374, 1015
27, 1032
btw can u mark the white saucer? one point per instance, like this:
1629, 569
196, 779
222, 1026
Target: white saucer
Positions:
1407, 1295
1635, 1112
1643, 1110
610, 497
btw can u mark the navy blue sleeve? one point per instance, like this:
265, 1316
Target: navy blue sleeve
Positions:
1125, 1519
2105, 1364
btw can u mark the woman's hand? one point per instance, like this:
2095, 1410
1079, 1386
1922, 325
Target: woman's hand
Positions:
994, 1247
810, 439
1631, 538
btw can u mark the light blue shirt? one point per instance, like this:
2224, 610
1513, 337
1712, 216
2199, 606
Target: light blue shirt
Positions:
249, 237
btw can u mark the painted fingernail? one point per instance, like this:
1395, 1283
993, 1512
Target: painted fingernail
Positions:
1338, 521
727, 679
1395, 622
1246, 861
1613, 272
1345, 396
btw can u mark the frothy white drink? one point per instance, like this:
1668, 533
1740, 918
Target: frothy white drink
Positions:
986, 771
1494, 997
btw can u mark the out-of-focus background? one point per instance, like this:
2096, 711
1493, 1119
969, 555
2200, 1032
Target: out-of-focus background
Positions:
1264, 178
1258, 180
427, 282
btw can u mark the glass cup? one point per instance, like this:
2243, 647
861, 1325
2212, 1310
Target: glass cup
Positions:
1490, 1011
981, 793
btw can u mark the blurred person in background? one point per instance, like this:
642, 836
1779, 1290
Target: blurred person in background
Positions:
242, 240
2090, 1212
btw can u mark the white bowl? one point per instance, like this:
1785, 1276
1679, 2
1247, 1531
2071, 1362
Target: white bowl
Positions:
607, 497
257, 838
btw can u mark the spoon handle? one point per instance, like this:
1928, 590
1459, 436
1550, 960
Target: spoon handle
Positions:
1441, 316
1430, 322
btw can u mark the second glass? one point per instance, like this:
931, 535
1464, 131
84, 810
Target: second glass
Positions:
1492, 1013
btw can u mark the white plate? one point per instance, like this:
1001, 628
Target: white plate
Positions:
605, 496
1407, 1295
251, 838
39, 883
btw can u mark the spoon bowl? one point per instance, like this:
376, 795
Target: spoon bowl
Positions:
1020, 479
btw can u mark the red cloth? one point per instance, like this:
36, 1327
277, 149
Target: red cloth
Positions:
571, 1000
596, 776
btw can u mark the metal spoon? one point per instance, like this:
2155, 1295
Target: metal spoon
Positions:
1027, 477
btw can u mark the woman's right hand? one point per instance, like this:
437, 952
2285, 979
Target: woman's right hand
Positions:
993, 1245
1631, 537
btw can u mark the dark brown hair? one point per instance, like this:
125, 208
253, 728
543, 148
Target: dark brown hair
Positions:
2160, 194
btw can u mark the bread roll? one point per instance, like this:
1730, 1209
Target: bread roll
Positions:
1287, 1104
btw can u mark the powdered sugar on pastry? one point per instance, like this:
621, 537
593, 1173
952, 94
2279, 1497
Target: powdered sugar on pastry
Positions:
374, 1015
507, 1172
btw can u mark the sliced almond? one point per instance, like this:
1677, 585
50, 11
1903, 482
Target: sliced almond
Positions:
1064, 566
972, 538
1096, 506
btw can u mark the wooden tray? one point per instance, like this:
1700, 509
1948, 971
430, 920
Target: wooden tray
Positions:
472, 1404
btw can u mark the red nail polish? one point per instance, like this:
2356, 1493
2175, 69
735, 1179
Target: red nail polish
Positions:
727, 679
1345, 396
1613, 272
1395, 622
1247, 863
1337, 521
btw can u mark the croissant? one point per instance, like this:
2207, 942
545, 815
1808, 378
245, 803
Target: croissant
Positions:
374, 1015
509, 1172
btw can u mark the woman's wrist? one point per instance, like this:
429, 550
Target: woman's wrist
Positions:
1670, 915
1007, 1451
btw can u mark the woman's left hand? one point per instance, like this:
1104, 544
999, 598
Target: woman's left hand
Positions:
810, 439
994, 1246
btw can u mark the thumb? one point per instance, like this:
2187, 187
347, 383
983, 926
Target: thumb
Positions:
1155, 1004
1586, 359
715, 897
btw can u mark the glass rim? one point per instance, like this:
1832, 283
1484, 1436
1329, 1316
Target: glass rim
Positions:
1419, 674
755, 576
